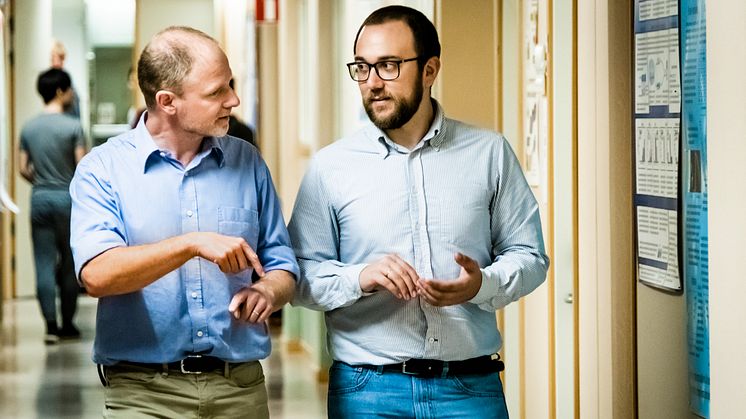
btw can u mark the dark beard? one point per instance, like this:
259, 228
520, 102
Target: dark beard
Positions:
404, 110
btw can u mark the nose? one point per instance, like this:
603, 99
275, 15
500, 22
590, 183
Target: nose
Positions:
374, 82
233, 99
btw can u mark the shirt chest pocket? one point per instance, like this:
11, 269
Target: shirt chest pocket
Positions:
239, 222
460, 215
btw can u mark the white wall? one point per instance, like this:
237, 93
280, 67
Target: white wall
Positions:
726, 138
36, 30
152, 16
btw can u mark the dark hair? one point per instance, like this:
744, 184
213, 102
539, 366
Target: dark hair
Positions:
49, 81
166, 61
426, 44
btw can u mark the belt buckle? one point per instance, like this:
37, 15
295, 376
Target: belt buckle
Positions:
184, 370
404, 369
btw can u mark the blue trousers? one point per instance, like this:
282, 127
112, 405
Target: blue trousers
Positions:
50, 232
356, 392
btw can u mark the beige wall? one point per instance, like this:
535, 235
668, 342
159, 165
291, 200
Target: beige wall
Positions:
726, 136
606, 278
468, 80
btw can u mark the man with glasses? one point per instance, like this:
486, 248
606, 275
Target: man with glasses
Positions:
410, 234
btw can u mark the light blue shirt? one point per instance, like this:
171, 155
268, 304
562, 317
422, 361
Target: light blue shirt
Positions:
127, 192
460, 189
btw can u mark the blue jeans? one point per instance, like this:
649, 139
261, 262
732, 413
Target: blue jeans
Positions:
50, 231
356, 392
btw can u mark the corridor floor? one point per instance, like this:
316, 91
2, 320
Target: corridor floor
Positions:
60, 381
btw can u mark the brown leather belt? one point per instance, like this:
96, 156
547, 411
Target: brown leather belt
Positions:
435, 368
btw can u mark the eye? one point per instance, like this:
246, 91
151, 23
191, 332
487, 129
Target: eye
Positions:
387, 65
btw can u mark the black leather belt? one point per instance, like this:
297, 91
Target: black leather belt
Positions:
192, 364
435, 368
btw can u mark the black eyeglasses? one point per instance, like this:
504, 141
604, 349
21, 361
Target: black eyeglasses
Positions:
387, 69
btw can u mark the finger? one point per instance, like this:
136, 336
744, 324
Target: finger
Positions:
387, 281
235, 262
243, 263
407, 274
248, 306
236, 303
265, 314
402, 282
441, 286
223, 264
428, 294
253, 259
469, 264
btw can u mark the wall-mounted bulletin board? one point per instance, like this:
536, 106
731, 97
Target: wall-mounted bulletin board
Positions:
657, 120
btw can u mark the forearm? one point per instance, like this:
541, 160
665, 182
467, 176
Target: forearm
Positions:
282, 286
122, 270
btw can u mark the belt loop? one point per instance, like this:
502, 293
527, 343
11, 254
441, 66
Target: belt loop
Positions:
227, 370
444, 374
379, 369
164, 371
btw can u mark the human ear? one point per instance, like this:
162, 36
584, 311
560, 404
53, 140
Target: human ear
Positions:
164, 100
431, 70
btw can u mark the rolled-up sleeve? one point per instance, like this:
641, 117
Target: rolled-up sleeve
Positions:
274, 248
96, 224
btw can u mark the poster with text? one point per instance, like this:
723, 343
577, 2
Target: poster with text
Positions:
657, 126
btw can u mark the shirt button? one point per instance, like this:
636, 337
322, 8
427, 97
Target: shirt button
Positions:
432, 340
189, 213
199, 333
163, 154
194, 294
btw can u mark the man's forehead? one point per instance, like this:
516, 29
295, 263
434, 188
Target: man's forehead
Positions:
388, 38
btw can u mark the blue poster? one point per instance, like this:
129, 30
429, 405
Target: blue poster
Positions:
694, 200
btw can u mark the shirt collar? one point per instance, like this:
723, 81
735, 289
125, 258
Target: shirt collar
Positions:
434, 135
146, 148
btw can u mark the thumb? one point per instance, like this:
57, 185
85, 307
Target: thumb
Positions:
236, 302
469, 264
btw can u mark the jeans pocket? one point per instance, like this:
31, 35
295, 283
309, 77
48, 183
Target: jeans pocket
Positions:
344, 378
480, 385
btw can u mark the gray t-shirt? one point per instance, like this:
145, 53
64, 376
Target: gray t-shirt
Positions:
50, 140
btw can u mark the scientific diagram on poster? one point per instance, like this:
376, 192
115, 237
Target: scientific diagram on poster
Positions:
657, 143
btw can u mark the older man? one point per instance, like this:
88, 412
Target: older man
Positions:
410, 234
169, 221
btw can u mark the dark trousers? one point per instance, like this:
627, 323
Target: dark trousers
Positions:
50, 231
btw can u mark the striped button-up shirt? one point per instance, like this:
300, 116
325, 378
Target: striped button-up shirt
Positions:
460, 189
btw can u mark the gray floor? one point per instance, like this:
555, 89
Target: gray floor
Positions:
60, 381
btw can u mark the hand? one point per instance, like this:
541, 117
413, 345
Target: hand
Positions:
231, 254
254, 303
447, 292
391, 273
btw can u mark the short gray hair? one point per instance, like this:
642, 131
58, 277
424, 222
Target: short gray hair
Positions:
166, 60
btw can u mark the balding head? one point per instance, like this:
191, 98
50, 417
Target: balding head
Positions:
57, 54
168, 59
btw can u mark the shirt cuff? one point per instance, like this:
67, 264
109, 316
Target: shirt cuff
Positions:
489, 288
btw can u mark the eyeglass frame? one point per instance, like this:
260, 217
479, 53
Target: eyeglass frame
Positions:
374, 66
